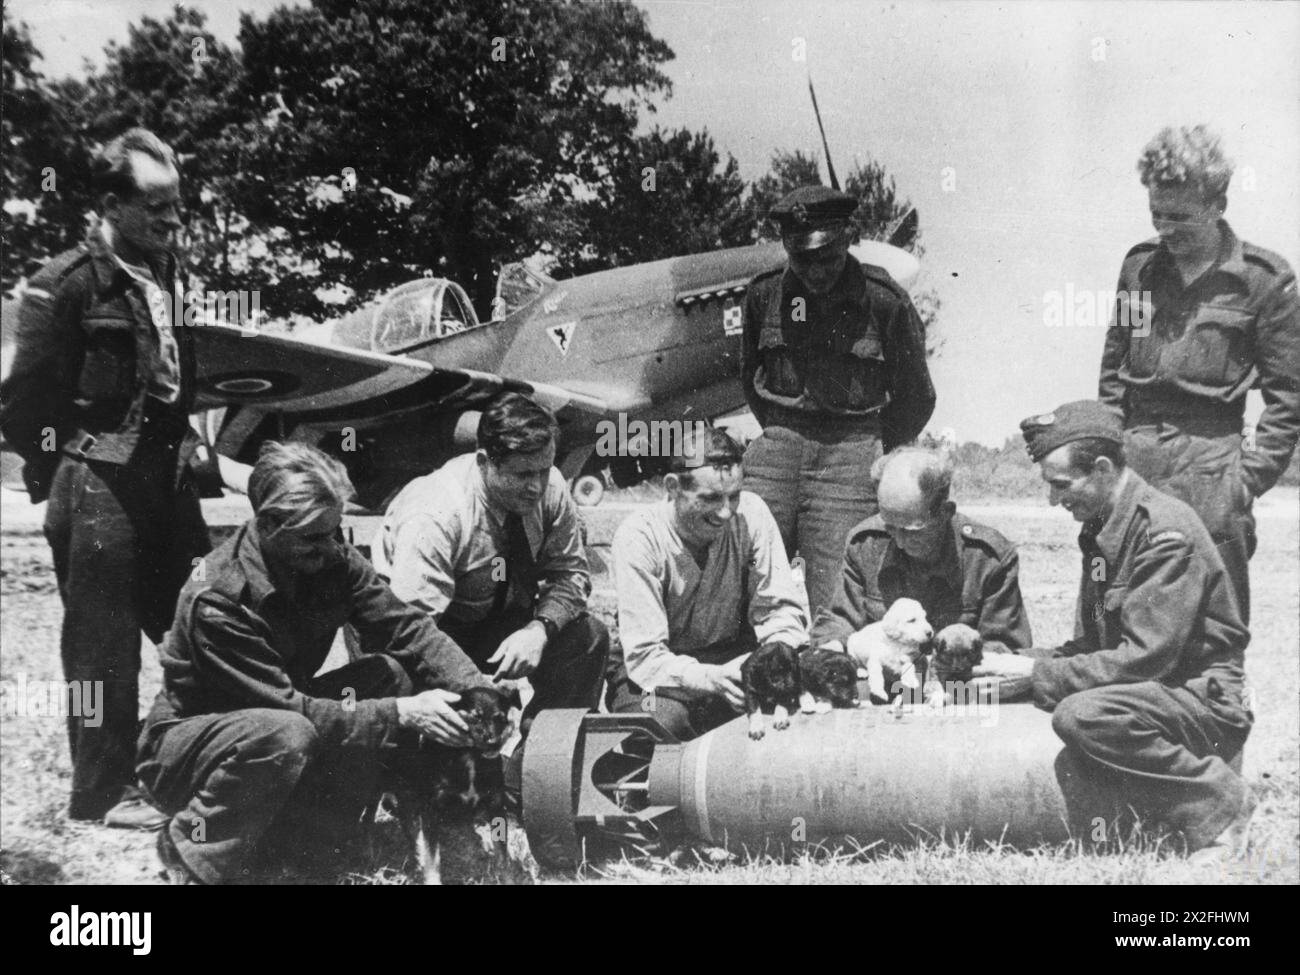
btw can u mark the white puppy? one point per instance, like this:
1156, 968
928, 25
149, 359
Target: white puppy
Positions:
892, 647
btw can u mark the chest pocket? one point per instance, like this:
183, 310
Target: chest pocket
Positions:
853, 374
782, 374
108, 369
1144, 343
1214, 347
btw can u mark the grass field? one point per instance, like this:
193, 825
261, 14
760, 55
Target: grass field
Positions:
39, 844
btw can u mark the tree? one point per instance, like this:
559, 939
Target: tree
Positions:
386, 138
43, 162
665, 196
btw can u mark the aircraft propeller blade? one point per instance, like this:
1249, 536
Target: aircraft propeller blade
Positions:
902, 230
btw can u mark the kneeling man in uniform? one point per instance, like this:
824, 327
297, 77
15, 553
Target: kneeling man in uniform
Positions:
1149, 695
244, 737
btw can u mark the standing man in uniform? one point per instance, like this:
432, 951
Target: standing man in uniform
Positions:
98, 406
1148, 696
833, 367
490, 547
1220, 316
702, 580
920, 547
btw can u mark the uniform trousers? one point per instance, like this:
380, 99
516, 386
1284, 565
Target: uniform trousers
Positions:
1201, 466
1172, 754
124, 539
683, 714
814, 475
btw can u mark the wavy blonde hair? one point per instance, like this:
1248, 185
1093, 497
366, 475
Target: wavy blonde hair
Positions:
1183, 156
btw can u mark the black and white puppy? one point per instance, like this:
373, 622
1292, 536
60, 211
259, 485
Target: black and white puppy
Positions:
771, 681
455, 814
829, 680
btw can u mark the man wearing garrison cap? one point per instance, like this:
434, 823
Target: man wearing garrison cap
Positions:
1149, 694
833, 367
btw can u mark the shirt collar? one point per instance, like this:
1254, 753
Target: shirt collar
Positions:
1231, 258
110, 264
947, 567
1110, 536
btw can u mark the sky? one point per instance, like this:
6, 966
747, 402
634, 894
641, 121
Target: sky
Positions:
1014, 128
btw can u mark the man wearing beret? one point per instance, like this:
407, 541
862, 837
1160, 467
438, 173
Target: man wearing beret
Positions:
1148, 696
1217, 317
833, 367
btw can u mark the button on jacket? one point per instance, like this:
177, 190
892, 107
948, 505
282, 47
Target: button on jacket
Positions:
975, 581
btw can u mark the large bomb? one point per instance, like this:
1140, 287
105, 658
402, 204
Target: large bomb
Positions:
595, 783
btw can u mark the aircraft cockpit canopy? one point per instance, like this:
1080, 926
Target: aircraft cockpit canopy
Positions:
518, 286
418, 312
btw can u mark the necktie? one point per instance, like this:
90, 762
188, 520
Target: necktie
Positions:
520, 566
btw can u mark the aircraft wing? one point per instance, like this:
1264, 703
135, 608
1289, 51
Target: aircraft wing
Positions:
280, 373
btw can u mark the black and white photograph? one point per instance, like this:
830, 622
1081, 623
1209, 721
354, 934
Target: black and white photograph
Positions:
651, 442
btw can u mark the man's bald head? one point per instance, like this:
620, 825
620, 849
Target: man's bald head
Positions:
913, 477
912, 486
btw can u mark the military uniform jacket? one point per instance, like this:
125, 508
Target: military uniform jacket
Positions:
237, 642
858, 351
1208, 343
84, 353
976, 581
1154, 604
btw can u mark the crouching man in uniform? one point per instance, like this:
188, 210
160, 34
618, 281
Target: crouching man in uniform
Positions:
489, 545
920, 547
243, 737
702, 579
1148, 696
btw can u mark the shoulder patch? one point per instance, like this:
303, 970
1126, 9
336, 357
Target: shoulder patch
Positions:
973, 533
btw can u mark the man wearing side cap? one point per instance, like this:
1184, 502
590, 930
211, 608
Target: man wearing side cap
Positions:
833, 367
1217, 317
1149, 694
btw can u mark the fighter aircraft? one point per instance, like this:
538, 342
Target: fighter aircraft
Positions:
395, 388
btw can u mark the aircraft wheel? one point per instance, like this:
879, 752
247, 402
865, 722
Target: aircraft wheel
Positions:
588, 490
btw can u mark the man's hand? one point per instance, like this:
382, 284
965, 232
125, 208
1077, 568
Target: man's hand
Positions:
1004, 665
432, 715
520, 653
724, 680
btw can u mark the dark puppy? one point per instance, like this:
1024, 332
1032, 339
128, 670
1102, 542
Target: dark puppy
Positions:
957, 649
455, 814
829, 679
771, 680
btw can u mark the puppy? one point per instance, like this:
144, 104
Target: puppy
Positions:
454, 814
957, 649
829, 679
771, 680
891, 648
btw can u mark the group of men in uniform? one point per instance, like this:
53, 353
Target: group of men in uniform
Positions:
479, 572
